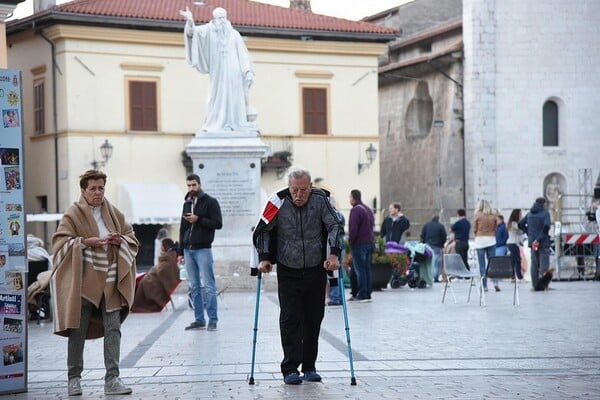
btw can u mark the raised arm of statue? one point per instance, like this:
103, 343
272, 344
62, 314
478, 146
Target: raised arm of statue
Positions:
189, 21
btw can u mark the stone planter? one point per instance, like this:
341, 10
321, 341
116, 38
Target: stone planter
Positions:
381, 275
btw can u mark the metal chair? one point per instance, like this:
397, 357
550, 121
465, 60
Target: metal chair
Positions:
500, 267
455, 267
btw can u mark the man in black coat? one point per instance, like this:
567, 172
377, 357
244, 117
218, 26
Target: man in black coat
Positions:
434, 234
201, 217
536, 224
394, 226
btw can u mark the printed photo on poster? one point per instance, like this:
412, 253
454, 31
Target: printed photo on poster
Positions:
10, 304
14, 280
9, 156
13, 353
11, 207
14, 224
11, 118
12, 178
16, 250
13, 325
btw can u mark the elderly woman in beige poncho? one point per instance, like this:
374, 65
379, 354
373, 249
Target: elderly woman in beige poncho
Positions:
93, 284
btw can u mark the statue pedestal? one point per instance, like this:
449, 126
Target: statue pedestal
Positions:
229, 167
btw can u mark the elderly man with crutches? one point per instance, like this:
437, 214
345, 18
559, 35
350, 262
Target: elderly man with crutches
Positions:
297, 226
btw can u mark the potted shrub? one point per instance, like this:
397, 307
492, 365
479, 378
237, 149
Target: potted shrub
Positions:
383, 264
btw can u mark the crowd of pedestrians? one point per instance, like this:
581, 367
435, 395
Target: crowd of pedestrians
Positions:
488, 235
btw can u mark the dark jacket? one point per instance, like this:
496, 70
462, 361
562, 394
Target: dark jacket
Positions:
461, 229
201, 234
300, 235
392, 231
501, 235
434, 233
536, 224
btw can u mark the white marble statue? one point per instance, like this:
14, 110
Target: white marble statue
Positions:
553, 193
217, 49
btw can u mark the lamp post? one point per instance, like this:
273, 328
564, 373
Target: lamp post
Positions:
371, 153
106, 150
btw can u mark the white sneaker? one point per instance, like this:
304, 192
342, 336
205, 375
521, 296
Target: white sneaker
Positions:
74, 387
116, 386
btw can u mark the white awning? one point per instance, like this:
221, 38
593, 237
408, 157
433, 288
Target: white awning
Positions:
43, 217
150, 203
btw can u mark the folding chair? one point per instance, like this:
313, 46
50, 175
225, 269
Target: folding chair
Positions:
455, 267
500, 267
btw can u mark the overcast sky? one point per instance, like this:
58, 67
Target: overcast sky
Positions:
349, 9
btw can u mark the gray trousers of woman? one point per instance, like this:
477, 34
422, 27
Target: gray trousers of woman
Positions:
112, 341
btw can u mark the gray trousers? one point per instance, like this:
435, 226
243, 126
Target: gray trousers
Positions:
112, 341
540, 262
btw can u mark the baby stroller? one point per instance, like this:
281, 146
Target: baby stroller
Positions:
411, 278
419, 273
400, 277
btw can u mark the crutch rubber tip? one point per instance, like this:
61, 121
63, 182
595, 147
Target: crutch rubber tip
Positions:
353, 381
251, 381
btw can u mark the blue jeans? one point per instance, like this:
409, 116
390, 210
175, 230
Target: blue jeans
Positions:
335, 294
489, 251
362, 255
437, 258
201, 281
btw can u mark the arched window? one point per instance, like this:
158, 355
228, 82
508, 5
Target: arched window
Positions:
550, 121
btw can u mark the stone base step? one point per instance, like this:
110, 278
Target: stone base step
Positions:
236, 277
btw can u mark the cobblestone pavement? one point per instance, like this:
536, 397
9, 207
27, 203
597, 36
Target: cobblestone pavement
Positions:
405, 344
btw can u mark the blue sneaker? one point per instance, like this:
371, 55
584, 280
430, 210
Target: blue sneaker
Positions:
293, 378
311, 376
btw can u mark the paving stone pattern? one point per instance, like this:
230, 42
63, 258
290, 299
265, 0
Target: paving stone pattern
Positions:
406, 344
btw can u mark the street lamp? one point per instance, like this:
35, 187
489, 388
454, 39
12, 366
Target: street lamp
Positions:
371, 153
106, 152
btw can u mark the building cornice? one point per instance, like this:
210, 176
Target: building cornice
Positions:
440, 30
115, 35
457, 46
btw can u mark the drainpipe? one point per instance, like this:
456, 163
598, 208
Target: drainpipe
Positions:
54, 115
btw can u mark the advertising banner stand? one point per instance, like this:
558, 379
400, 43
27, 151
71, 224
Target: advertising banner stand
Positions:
13, 250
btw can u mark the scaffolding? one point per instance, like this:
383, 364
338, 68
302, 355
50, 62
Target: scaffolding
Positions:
576, 237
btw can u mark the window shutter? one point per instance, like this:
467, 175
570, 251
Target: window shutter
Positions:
38, 109
142, 104
314, 110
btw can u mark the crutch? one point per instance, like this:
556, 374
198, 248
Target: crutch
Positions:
251, 379
347, 327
